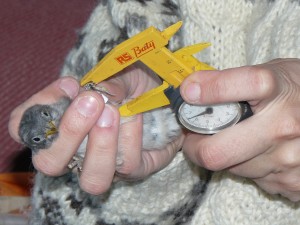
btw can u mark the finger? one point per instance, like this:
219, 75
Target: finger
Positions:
286, 184
267, 185
231, 85
130, 146
292, 196
231, 146
152, 161
116, 89
66, 86
156, 160
257, 167
131, 82
283, 157
289, 183
133, 162
100, 159
77, 121
287, 156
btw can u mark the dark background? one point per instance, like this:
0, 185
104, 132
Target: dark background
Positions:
35, 37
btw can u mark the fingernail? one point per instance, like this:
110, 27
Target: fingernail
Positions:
192, 92
87, 106
69, 86
107, 117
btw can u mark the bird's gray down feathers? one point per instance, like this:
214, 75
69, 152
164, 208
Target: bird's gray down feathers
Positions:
40, 123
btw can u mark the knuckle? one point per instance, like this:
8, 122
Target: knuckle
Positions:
211, 157
288, 159
288, 128
262, 80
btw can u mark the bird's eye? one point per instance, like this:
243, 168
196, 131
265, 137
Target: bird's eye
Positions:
45, 113
37, 139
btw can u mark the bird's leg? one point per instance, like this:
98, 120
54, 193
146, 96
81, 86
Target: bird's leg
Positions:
76, 163
101, 89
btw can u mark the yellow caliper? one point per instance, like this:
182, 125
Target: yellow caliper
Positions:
149, 47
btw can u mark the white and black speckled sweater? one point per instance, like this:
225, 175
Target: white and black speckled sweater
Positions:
241, 32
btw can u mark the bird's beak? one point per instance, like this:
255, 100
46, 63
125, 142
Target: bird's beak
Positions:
51, 129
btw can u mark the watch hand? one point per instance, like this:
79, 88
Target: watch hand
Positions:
208, 110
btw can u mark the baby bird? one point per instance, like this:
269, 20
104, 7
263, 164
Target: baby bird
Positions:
39, 124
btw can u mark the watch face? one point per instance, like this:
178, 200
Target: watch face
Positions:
209, 119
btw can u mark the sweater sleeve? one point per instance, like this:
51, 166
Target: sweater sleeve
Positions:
242, 32
275, 32
95, 39
113, 22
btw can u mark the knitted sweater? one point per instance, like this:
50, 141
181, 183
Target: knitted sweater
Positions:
242, 32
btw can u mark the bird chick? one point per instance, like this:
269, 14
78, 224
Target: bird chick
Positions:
39, 124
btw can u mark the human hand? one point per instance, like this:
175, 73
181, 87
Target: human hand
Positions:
265, 147
88, 114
